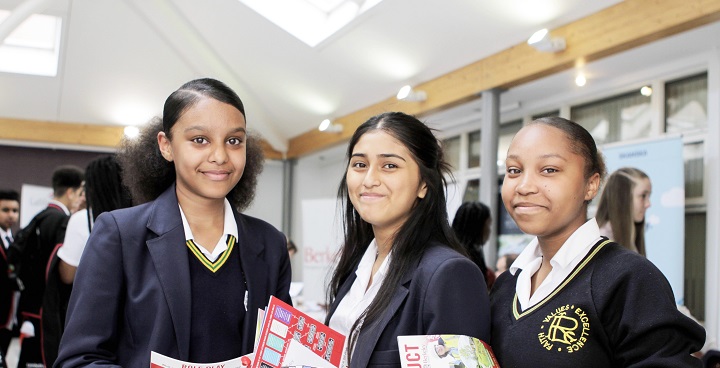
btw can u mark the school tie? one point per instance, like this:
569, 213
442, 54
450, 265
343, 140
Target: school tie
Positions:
8, 240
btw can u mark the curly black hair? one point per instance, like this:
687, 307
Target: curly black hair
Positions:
147, 174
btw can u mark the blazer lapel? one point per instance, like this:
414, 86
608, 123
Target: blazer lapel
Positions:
369, 335
169, 255
255, 272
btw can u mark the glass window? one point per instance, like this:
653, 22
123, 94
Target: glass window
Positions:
505, 135
474, 149
618, 118
451, 146
693, 157
686, 104
695, 264
546, 114
472, 191
33, 47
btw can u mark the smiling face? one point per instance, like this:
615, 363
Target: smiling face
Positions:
545, 188
208, 150
641, 198
383, 181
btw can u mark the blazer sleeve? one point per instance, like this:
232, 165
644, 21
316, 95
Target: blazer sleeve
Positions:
456, 301
641, 319
95, 310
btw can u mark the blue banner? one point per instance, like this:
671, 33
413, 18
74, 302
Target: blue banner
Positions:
662, 161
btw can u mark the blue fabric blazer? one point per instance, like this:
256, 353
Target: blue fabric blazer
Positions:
132, 289
445, 294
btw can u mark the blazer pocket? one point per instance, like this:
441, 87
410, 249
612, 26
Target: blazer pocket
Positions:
384, 358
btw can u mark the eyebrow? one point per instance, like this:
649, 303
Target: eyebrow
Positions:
383, 155
204, 129
549, 155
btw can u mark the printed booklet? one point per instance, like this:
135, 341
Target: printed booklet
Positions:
289, 338
435, 351
158, 360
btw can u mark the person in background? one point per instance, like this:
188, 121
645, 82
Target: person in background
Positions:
9, 214
291, 247
184, 273
103, 192
622, 207
573, 298
67, 185
504, 262
400, 269
472, 226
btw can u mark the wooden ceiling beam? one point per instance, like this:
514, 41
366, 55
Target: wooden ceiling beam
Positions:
75, 134
626, 25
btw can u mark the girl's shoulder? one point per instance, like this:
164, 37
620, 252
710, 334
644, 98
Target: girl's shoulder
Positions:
615, 264
438, 252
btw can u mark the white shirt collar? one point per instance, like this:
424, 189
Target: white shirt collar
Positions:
61, 205
360, 295
229, 228
575, 248
3, 234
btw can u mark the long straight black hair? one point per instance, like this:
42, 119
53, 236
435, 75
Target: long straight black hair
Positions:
427, 222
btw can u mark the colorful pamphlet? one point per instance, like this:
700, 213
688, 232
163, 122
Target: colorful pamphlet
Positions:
435, 351
158, 360
284, 325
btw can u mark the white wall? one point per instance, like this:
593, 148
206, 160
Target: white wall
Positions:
316, 176
268, 203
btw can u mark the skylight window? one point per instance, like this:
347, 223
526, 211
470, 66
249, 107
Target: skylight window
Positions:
311, 21
33, 47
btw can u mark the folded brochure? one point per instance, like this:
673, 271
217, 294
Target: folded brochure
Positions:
158, 360
433, 351
284, 324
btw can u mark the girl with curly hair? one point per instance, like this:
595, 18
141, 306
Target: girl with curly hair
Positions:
184, 273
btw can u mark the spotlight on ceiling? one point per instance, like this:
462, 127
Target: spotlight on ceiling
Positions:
580, 80
327, 126
646, 91
407, 93
542, 41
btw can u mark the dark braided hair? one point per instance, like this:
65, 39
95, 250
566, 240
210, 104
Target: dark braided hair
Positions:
104, 190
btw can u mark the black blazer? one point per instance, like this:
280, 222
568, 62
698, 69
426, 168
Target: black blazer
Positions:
131, 293
445, 294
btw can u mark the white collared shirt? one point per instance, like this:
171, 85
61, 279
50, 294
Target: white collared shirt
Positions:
61, 205
575, 248
3, 236
229, 228
360, 295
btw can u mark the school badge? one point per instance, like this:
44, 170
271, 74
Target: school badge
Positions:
566, 329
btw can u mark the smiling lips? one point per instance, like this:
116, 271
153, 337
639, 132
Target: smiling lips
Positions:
216, 175
371, 196
526, 207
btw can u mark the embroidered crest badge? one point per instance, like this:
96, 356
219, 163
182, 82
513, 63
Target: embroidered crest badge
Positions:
566, 329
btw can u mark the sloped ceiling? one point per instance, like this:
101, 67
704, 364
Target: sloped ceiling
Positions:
121, 58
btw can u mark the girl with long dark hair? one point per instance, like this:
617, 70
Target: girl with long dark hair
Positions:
400, 270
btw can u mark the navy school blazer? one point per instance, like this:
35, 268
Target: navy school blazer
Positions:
445, 294
132, 289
